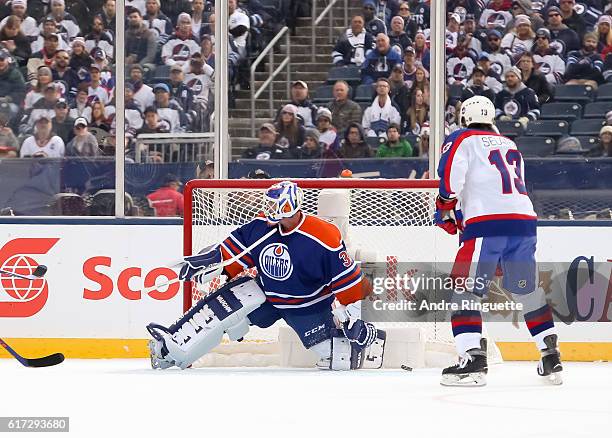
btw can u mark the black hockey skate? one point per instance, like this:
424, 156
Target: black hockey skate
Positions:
471, 369
550, 365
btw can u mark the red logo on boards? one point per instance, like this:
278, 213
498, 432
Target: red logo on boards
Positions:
19, 297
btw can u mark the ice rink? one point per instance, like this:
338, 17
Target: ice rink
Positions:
125, 398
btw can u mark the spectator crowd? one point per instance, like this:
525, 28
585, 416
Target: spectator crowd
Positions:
57, 69
517, 53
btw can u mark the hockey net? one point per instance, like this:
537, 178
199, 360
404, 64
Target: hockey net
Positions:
386, 222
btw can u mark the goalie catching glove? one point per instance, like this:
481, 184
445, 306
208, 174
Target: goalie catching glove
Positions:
447, 216
203, 266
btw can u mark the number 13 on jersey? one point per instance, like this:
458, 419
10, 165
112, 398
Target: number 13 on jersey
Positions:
512, 162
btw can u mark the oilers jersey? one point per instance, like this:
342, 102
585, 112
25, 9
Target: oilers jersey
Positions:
485, 171
297, 269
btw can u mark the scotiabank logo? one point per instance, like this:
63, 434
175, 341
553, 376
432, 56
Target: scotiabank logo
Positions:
20, 297
128, 278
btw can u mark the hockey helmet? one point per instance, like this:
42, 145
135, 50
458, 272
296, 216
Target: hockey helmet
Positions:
282, 200
477, 109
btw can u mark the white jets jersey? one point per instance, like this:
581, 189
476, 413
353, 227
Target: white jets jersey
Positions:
485, 171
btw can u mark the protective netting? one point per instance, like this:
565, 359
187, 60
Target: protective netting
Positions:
385, 225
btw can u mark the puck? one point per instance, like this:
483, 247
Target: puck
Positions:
406, 368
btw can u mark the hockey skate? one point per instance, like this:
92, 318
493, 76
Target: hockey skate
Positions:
157, 348
550, 366
471, 369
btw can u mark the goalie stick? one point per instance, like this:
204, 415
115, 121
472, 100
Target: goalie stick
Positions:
222, 264
39, 272
39, 362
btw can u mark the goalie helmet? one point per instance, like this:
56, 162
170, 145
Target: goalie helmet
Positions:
282, 200
477, 109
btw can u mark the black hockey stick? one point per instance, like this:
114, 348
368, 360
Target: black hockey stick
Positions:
39, 272
47, 361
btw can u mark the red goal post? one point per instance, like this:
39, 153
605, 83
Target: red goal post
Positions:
214, 207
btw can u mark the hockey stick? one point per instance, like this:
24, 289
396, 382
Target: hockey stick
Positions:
39, 362
39, 272
222, 264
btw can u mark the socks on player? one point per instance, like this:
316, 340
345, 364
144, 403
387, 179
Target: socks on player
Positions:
467, 330
540, 324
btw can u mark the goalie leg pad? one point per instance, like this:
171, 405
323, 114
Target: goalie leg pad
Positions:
202, 327
346, 355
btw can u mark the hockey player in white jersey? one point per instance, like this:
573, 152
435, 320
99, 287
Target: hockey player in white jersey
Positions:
483, 195
305, 277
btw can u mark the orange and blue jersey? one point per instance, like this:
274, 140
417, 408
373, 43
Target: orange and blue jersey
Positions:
300, 268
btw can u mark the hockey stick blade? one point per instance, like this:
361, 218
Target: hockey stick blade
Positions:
39, 362
38, 273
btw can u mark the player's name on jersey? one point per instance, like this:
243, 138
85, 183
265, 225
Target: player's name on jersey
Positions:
445, 306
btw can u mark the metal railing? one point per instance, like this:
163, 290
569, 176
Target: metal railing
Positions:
173, 147
269, 83
329, 11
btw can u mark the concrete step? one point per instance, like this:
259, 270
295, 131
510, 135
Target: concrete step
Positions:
303, 58
260, 113
259, 103
244, 121
322, 37
300, 49
278, 93
302, 67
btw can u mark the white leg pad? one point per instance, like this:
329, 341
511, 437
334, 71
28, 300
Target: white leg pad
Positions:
202, 327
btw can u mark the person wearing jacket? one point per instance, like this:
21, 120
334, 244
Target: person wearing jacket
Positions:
354, 45
311, 149
267, 149
354, 144
380, 61
547, 60
12, 85
395, 146
516, 101
585, 67
535, 80
378, 116
140, 42
306, 110
343, 109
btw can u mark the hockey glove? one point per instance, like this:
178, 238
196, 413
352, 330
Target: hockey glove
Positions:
446, 216
357, 331
205, 265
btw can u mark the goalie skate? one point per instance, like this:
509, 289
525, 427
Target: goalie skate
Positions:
471, 369
157, 349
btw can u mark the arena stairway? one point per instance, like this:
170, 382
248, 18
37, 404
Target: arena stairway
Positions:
303, 67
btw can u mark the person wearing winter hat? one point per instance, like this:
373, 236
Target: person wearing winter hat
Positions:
290, 130
604, 31
307, 111
604, 147
525, 7
268, 148
329, 135
516, 101
521, 38
312, 148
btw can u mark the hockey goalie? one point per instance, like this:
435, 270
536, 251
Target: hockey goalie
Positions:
305, 277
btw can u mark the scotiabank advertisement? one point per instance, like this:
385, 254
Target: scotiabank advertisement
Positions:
96, 275
93, 286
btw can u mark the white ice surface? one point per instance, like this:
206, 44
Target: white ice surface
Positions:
124, 398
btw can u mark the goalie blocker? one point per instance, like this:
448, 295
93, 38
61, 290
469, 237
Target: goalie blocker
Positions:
241, 303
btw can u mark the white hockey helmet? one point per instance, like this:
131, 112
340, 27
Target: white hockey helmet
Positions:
477, 109
282, 200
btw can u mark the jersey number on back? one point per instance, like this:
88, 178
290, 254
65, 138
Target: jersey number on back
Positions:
513, 159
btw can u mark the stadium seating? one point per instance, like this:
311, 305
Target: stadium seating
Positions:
588, 142
536, 146
350, 74
604, 92
323, 94
547, 128
364, 93
511, 128
561, 111
574, 93
587, 127
597, 110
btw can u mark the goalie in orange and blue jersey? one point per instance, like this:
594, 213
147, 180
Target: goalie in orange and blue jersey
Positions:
305, 277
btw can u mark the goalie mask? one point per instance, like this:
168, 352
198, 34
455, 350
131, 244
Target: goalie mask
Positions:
282, 200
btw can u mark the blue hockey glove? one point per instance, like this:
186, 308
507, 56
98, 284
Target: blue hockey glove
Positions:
356, 330
209, 257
